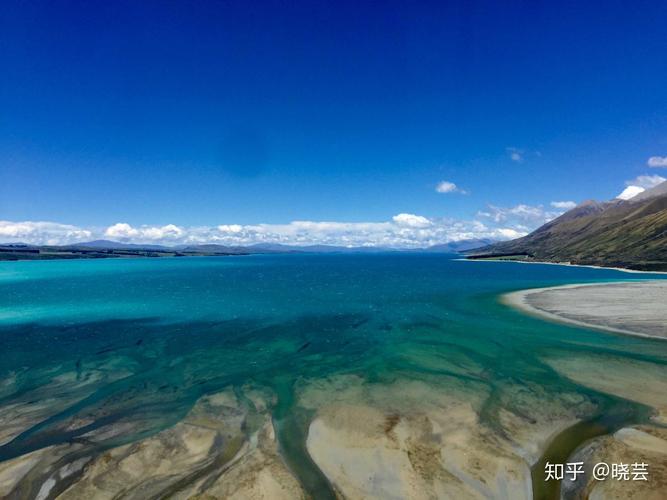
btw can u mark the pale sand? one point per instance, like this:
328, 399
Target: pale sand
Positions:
630, 308
568, 264
223, 448
413, 440
630, 445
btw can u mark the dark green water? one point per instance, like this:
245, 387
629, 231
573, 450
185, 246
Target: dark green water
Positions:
181, 328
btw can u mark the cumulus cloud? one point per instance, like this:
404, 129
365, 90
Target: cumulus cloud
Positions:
563, 205
403, 230
41, 233
657, 161
411, 220
639, 185
520, 218
449, 187
646, 181
168, 232
511, 234
123, 231
630, 192
230, 228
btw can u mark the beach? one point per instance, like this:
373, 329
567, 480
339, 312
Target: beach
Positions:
631, 308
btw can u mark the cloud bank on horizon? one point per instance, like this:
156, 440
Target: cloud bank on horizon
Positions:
404, 230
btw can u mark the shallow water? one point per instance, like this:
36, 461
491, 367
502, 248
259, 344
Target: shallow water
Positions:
139, 341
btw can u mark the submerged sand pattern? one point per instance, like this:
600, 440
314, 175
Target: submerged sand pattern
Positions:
410, 439
402, 439
223, 448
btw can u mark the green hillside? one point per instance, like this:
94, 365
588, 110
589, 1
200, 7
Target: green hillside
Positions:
630, 234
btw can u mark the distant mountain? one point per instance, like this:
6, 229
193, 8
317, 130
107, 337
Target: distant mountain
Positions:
113, 249
102, 249
659, 190
280, 248
619, 233
109, 249
272, 247
212, 249
116, 245
461, 245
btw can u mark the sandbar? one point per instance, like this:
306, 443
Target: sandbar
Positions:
630, 308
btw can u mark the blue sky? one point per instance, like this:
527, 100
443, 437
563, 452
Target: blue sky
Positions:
245, 113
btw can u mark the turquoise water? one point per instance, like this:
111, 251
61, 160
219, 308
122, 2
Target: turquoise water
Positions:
177, 329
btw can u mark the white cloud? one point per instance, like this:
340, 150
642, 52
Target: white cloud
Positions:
404, 230
511, 233
515, 154
449, 187
639, 185
168, 232
230, 228
630, 192
411, 220
523, 218
42, 233
123, 231
564, 205
646, 181
657, 161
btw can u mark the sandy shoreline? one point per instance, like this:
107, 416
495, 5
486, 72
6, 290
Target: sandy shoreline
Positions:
567, 264
629, 308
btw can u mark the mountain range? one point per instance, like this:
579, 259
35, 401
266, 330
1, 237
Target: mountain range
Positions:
114, 249
618, 233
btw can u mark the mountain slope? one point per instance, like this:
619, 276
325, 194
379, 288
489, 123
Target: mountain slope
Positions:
460, 245
631, 233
